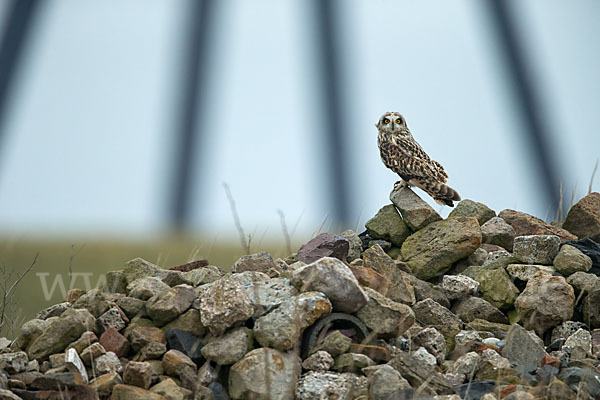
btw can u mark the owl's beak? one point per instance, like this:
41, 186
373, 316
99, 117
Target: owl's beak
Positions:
393, 126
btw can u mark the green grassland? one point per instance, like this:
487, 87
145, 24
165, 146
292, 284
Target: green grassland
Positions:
90, 259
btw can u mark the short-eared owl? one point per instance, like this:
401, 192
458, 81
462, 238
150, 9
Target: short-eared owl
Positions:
401, 153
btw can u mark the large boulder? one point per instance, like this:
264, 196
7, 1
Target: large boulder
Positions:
525, 224
333, 278
61, 332
570, 260
545, 303
385, 317
470, 208
536, 249
497, 288
281, 328
416, 213
388, 225
170, 304
431, 252
324, 245
583, 219
223, 304
497, 231
429, 313
265, 374
523, 349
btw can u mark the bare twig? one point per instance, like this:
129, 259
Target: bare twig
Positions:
72, 255
7, 293
592, 178
236, 220
320, 227
559, 210
286, 234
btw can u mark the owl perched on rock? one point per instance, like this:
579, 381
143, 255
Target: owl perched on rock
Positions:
401, 153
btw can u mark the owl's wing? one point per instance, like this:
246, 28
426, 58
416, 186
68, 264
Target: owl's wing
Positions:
408, 159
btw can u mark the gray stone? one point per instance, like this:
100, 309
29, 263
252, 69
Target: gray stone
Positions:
384, 317
324, 245
104, 384
385, 382
281, 328
433, 341
429, 313
591, 311
229, 348
566, 329
400, 289
113, 318
496, 360
53, 311
465, 338
171, 391
583, 219
546, 302
497, 288
497, 255
138, 374
524, 272
140, 268
416, 213
268, 294
425, 290
333, 278
259, 262
94, 302
14, 362
202, 276
352, 362
355, 249
318, 361
470, 208
388, 225
431, 252
477, 258
525, 224
129, 392
330, 385
522, 350
74, 363
170, 304
425, 357
146, 287
190, 321
466, 364
131, 306
248, 377
536, 249
583, 281
471, 308
108, 363
61, 332
223, 304
92, 352
247, 277
416, 373
151, 351
335, 344
570, 260
580, 344
497, 231
459, 286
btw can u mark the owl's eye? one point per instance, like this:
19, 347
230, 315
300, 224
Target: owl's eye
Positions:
386, 121
399, 121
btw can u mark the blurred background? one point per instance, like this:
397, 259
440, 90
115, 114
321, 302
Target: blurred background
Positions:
128, 127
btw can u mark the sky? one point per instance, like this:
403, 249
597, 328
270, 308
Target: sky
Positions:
89, 143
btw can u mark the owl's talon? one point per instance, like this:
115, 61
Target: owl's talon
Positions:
400, 184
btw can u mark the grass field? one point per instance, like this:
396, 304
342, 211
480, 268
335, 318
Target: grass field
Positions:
90, 259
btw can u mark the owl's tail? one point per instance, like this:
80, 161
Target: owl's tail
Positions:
441, 193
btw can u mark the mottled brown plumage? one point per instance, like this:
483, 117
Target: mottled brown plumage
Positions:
401, 153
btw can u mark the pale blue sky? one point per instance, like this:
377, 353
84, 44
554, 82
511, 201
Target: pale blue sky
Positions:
88, 145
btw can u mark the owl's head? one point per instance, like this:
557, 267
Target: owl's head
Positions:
392, 123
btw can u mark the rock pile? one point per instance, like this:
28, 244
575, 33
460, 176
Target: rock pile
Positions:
474, 306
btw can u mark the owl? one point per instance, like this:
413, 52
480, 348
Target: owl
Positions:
401, 153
